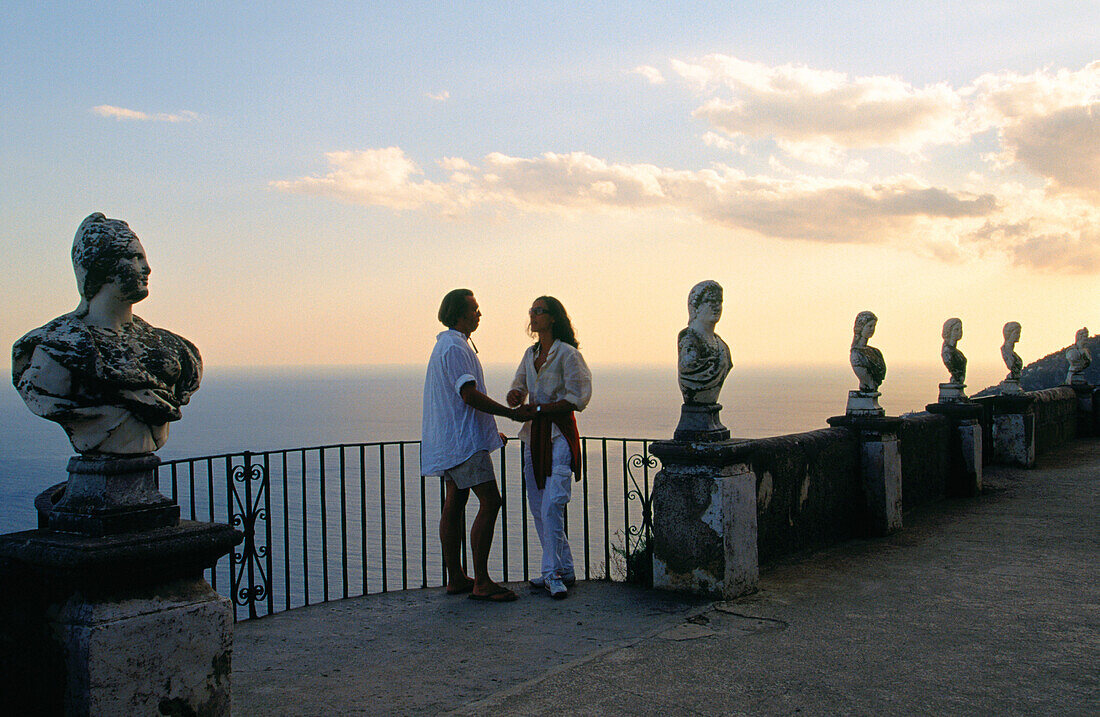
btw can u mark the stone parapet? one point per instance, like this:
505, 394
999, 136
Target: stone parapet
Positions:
704, 519
879, 468
965, 447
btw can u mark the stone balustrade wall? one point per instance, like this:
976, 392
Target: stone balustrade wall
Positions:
807, 490
1055, 417
925, 462
809, 493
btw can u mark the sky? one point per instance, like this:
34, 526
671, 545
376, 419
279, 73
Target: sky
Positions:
309, 180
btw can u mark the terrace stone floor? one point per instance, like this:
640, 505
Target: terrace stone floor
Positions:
988, 605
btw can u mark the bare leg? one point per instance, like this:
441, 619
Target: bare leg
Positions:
481, 534
450, 534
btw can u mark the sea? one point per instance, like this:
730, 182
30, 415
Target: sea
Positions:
268, 409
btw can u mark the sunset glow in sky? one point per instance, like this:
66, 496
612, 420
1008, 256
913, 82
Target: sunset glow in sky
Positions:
308, 184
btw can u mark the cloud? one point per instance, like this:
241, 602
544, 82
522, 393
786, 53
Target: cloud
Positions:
652, 74
810, 108
381, 177
123, 114
1059, 233
439, 96
810, 137
1048, 123
801, 207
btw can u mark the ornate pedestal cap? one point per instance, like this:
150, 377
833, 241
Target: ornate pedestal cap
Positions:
1011, 387
107, 496
1012, 403
953, 393
880, 423
956, 410
700, 423
864, 403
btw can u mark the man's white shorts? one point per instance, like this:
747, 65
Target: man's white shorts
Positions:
475, 470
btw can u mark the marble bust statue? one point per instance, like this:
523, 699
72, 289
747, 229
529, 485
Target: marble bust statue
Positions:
953, 359
704, 358
111, 380
867, 361
1078, 357
1012, 360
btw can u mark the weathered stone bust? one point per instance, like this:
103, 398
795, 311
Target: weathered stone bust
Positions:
953, 359
111, 380
1013, 362
704, 358
867, 361
1078, 357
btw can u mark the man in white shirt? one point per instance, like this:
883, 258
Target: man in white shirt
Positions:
458, 436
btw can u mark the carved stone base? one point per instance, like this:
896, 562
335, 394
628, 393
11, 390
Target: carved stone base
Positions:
965, 459
117, 624
952, 393
108, 496
704, 520
1086, 410
1011, 387
1014, 430
864, 403
699, 422
879, 468
162, 651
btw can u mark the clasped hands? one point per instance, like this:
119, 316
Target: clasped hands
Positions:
520, 411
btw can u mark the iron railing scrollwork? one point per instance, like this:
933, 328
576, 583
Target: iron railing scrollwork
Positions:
638, 539
328, 522
248, 486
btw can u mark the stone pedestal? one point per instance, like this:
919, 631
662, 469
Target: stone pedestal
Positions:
1013, 430
104, 620
700, 422
880, 468
965, 458
1011, 387
1086, 409
164, 650
106, 496
952, 393
864, 403
704, 519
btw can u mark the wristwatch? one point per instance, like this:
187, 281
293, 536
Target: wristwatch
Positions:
538, 408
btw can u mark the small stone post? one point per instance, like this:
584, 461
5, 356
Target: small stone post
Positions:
1086, 409
880, 468
1014, 430
966, 446
704, 519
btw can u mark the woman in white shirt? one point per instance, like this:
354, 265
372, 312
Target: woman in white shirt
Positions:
556, 381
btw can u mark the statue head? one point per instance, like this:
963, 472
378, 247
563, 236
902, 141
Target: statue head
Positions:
705, 292
106, 250
1011, 331
952, 329
865, 323
1081, 336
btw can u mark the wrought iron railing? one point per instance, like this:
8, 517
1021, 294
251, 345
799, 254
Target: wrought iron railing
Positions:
330, 522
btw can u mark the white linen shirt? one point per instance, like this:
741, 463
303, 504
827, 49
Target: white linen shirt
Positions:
564, 376
452, 430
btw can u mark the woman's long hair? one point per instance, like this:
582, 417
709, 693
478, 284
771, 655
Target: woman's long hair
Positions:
562, 327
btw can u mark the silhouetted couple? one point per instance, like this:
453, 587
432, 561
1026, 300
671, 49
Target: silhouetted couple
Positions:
459, 434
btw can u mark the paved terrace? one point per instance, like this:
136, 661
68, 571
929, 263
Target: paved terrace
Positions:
982, 606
